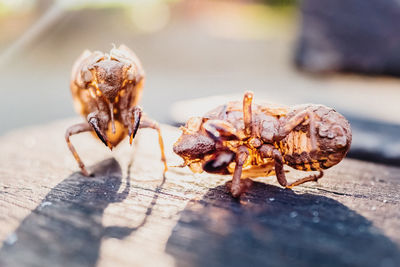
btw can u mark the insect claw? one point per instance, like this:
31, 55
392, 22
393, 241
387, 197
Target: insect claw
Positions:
102, 138
135, 123
132, 135
95, 125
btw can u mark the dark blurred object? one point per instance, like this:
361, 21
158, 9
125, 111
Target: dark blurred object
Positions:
350, 35
375, 141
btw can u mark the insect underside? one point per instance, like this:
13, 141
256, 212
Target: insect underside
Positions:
249, 140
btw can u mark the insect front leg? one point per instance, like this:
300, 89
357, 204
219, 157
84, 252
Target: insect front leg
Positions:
133, 122
99, 123
131, 119
146, 122
220, 130
295, 121
75, 129
238, 187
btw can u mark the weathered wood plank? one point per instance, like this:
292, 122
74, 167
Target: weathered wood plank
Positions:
52, 216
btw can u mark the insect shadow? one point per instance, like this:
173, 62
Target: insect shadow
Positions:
66, 228
272, 226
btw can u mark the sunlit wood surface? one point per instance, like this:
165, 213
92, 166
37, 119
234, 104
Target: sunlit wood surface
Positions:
50, 215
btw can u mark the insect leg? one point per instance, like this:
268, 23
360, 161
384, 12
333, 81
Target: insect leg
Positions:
237, 188
220, 130
95, 124
269, 151
310, 178
247, 113
133, 123
297, 120
75, 129
149, 123
131, 119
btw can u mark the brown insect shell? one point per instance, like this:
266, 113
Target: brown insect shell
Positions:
86, 88
332, 135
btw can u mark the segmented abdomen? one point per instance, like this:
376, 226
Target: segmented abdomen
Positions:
296, 152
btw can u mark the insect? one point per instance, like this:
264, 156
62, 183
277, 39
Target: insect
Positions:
252, 140
106, 88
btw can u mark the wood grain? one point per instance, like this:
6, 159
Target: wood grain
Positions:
50, 215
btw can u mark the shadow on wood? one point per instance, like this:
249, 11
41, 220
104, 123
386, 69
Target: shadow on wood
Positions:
66, 228
271, 226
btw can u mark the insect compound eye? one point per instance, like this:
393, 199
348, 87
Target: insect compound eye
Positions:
131, 73
219, 162
96, 58
86, 75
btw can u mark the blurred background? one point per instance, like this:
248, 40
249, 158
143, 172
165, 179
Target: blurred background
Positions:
344, 54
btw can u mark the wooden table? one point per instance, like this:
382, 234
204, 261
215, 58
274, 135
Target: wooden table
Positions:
51, 215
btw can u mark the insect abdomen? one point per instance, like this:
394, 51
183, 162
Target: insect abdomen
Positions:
296, 150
